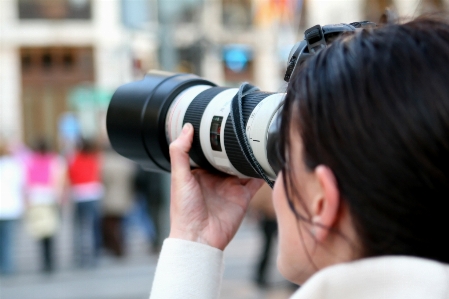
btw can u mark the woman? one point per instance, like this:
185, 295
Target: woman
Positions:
361, 199
44, 184
117, 174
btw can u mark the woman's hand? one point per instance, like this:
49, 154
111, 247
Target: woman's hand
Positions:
206, 208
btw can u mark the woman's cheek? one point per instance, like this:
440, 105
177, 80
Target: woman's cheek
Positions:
287, 230
293, 261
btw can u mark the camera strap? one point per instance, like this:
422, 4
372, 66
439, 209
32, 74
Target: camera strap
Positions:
238, 125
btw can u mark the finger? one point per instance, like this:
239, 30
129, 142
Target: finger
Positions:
244, 181
179, 153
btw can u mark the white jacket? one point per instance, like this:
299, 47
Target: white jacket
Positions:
193, 270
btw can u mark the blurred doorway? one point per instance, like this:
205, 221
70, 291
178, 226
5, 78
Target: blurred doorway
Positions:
48, 75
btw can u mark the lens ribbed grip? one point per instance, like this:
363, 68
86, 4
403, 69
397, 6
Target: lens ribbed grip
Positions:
193, 115
233, 150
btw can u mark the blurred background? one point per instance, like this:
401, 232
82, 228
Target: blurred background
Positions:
60, 62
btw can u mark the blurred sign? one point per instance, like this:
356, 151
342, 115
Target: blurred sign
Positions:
236, 57
238, 64
89, 103
87, 97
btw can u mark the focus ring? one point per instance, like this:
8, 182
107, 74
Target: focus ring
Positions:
233, 150
193, 115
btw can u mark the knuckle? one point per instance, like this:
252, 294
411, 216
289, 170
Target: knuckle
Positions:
174, 147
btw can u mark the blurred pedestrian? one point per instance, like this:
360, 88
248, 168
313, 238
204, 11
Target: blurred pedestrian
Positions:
87, 191
11, 206
147, 209
262, 207
44, 185
118, 174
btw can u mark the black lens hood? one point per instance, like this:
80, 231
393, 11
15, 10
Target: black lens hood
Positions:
136, 117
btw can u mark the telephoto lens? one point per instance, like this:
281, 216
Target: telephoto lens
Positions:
144, 117
235, 129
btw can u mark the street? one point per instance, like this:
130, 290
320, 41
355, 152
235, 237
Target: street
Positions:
132, 276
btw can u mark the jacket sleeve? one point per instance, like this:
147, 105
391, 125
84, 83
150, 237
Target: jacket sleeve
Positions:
188, 270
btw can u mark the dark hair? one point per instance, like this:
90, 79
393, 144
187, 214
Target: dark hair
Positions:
87, 145
42, 145
374, 108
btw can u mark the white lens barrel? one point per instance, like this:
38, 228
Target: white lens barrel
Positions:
257, 129
212, 120
220, 107
177, 111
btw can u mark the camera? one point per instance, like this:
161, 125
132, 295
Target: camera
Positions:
235, 129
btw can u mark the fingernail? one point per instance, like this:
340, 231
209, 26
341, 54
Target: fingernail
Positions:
186, 127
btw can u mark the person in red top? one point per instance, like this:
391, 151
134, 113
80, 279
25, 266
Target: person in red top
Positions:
86, 191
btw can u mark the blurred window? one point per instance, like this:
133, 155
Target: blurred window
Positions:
47, 61
26, 61
55, 9
68, 60
56, 63
190, 14
190, 58
237, 14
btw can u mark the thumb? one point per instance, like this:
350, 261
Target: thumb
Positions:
179, 153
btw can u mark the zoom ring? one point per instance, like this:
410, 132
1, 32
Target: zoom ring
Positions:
193, 115
232, 147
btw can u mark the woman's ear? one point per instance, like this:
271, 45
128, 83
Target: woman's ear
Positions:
326, 205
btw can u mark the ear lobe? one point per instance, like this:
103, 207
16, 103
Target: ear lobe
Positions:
325, 214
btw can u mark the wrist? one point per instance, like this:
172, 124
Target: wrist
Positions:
187, 236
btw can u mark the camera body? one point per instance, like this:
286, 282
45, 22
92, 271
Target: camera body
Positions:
235, 129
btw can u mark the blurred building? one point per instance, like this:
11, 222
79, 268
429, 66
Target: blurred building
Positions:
69, 55
230, 41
